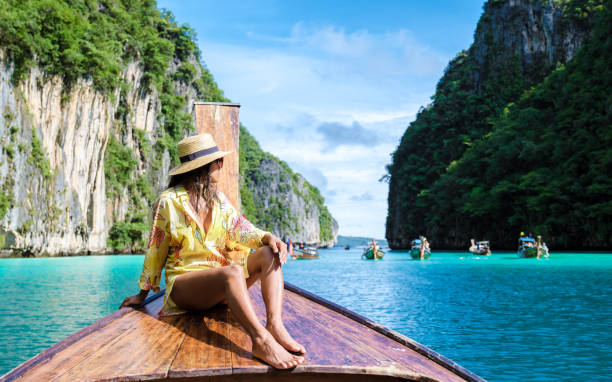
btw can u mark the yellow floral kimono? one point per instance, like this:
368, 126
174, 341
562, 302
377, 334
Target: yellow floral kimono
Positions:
179, 242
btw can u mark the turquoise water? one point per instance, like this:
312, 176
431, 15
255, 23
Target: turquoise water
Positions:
504, 318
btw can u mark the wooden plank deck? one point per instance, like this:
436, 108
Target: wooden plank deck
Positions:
133, 345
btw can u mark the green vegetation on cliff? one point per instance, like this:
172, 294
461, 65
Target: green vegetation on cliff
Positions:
545, 166
95, 40
500, 151
37, 157
277, 211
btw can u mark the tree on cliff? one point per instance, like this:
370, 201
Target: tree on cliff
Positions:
471, 164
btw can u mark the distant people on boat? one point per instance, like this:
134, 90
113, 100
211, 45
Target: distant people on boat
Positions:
373, 251
374, 245
188, 219
528, 247
480, 247
424, 246
522, 243
290, 249
542, 248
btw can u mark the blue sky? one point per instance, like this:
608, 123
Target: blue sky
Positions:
330, 86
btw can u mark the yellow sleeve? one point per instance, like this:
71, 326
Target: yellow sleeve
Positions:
159, 240
240, 230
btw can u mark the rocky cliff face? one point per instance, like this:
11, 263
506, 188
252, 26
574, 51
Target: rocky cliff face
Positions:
516, 44
52, 163
539, 34
281, 201
288, 209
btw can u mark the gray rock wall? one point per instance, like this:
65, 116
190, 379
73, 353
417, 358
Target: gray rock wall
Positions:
66, 211
58, 203
299, 214
537, 31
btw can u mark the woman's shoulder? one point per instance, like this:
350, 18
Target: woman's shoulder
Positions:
170, 194
173, 192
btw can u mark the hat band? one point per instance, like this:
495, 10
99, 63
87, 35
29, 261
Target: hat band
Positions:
197, 154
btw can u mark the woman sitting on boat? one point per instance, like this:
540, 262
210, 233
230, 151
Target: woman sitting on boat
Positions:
204, 244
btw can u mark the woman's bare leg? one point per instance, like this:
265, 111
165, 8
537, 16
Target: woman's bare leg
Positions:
201, 290
266, 265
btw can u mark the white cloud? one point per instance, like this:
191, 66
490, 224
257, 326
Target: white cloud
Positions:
337, 134
382, 54
367, 85
363, 197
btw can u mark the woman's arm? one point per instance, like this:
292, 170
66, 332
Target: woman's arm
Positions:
277, 246
242, 231
238, 228
135, 300
156, 255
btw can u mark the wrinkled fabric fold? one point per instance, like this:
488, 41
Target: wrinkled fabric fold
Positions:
180, 244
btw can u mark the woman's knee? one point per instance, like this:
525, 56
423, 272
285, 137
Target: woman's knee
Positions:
270, 258
233, 272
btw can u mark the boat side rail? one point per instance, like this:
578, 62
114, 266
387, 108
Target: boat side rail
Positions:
410, 343
50, 352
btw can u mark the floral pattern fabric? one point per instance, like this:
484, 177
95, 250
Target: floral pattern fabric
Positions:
180, 244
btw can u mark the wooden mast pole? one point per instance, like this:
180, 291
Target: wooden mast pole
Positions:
221, 120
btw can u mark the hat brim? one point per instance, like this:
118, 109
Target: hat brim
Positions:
198, 162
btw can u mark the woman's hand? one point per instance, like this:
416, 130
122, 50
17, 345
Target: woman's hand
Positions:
134, 300
277, 246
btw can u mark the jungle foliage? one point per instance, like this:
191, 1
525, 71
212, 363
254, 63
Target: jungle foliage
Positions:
277, 210
95, 40
516, 154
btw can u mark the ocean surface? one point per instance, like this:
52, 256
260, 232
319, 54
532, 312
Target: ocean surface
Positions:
503, 318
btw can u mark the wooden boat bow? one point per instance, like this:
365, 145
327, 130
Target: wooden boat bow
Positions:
136, 344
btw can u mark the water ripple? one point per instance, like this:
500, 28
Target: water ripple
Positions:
504, 318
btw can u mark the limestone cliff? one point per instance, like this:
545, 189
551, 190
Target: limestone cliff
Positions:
516, 44
89, 124
281, 201
537, 35
52, 162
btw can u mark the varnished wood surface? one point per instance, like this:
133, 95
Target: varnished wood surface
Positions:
211, 346
221, 120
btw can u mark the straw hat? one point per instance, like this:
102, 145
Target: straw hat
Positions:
197, 151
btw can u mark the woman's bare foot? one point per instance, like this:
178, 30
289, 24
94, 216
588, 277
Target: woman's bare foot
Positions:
282, 336
271, 352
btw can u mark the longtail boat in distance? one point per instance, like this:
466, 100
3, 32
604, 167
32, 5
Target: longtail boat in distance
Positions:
305, 254
419, 249
137, 344
301, 253
481, 248
527, 247
373, 253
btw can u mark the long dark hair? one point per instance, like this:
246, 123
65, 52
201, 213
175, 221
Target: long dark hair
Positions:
198, 185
